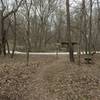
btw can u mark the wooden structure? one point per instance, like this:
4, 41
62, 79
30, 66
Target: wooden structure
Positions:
64, 45
67, 43
58, 45
89, 58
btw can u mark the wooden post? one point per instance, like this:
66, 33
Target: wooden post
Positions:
57, 49
72, 43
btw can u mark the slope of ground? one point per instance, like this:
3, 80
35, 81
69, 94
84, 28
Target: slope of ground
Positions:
48, 78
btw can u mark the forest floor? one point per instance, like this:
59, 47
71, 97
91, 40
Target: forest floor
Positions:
49, 78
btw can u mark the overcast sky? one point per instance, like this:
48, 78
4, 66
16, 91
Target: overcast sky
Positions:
73, 3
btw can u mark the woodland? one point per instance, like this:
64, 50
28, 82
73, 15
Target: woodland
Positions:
49, 49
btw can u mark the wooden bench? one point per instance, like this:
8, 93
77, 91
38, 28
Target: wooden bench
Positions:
89, 58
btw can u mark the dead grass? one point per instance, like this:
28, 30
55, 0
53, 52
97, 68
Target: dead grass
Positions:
51, 79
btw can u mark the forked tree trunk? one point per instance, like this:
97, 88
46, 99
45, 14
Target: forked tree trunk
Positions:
3, 18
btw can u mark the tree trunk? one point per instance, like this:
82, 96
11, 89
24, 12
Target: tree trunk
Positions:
86, 45
90, 29
3, 37
71, 53
28, 36
14, 42
85, 27
8, 47
27, 44
98, 22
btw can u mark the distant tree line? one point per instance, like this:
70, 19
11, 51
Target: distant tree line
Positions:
36, 25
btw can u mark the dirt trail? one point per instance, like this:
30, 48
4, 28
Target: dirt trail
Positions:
45, 67
59, 80
29, 81
38, 85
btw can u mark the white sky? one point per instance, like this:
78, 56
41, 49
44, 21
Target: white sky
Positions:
73, 3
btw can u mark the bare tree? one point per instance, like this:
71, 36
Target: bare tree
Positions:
14, 41
84, 25
90, 27
28, 5
44, 9
98, 22
4, 16
69, 32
